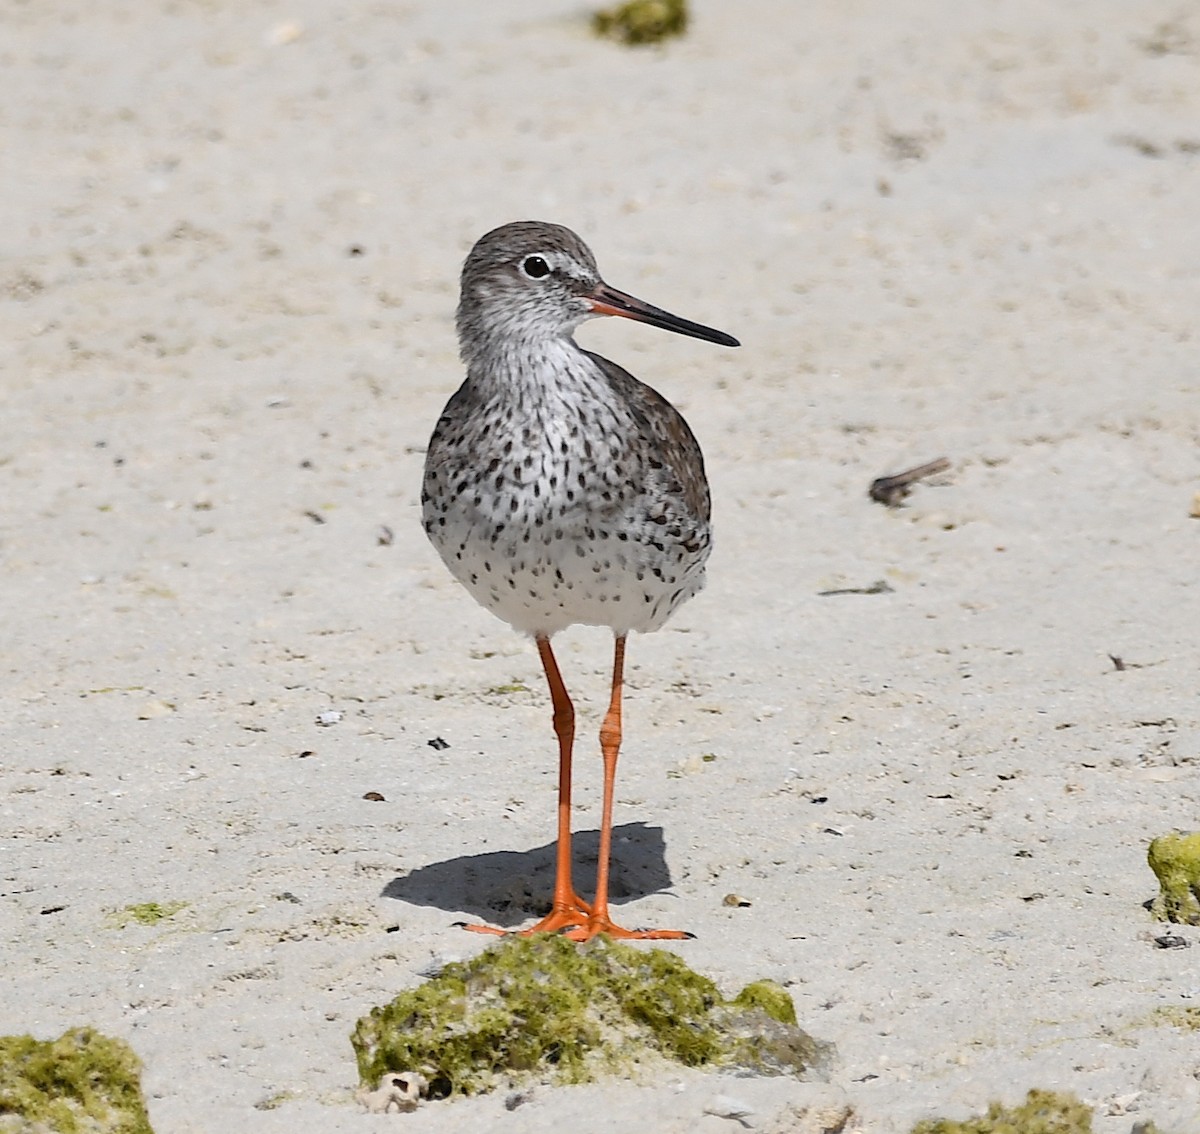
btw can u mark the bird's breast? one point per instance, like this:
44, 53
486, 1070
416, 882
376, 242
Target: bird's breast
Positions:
541, 501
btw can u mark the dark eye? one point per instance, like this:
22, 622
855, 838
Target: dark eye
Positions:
535, 267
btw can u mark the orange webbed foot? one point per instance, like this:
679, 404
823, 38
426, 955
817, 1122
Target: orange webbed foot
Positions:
595, 926
570, 914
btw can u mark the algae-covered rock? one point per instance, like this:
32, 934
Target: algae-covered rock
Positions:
544, 1009
642, 21
1042, 1112
1175, 860
81, 1083
770, 998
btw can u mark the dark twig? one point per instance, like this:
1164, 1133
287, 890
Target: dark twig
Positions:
879, 587
890, 490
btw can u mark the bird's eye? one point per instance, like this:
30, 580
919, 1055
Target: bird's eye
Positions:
535, 267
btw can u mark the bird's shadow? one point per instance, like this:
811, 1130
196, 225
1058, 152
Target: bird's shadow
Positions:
508, 887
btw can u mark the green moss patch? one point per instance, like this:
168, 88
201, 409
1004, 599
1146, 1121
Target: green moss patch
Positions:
146, 913
1175, 860
80, 1083
1177, 1016
542, 1009
1042, 1112
642, 21
770, 998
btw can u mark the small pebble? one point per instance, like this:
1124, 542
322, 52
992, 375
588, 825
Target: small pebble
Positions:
283, 34
402, 1091
329, 717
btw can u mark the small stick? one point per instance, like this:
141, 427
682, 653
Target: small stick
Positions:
890, 490
879, 587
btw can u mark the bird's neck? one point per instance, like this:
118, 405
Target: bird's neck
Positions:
534, 371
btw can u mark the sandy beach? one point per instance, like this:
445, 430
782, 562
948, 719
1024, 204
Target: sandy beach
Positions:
228, 273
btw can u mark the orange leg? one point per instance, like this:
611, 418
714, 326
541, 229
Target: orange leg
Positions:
599, 920
568, 909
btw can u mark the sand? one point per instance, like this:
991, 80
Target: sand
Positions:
228, 268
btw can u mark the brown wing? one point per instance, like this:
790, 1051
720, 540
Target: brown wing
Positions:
664, 426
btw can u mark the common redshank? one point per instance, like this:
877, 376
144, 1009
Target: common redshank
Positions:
561, 490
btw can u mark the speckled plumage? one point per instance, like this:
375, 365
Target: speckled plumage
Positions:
558, 488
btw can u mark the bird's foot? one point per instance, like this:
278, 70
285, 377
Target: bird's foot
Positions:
595, 925
570, 914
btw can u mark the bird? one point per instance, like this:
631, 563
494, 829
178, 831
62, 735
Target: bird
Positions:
561, 490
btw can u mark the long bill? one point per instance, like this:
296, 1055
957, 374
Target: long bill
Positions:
607, 300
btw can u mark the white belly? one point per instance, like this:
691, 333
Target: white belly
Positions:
560, 576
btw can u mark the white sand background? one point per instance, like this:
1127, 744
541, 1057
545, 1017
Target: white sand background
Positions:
230, 247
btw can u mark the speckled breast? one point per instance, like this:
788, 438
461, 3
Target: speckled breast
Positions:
550, 516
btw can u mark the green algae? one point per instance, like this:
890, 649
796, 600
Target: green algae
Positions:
275, 1101
542, 1009
642, 21
1042, 1112
770, 998
81, 1083
1175, 860
146, 913
1177, 1016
